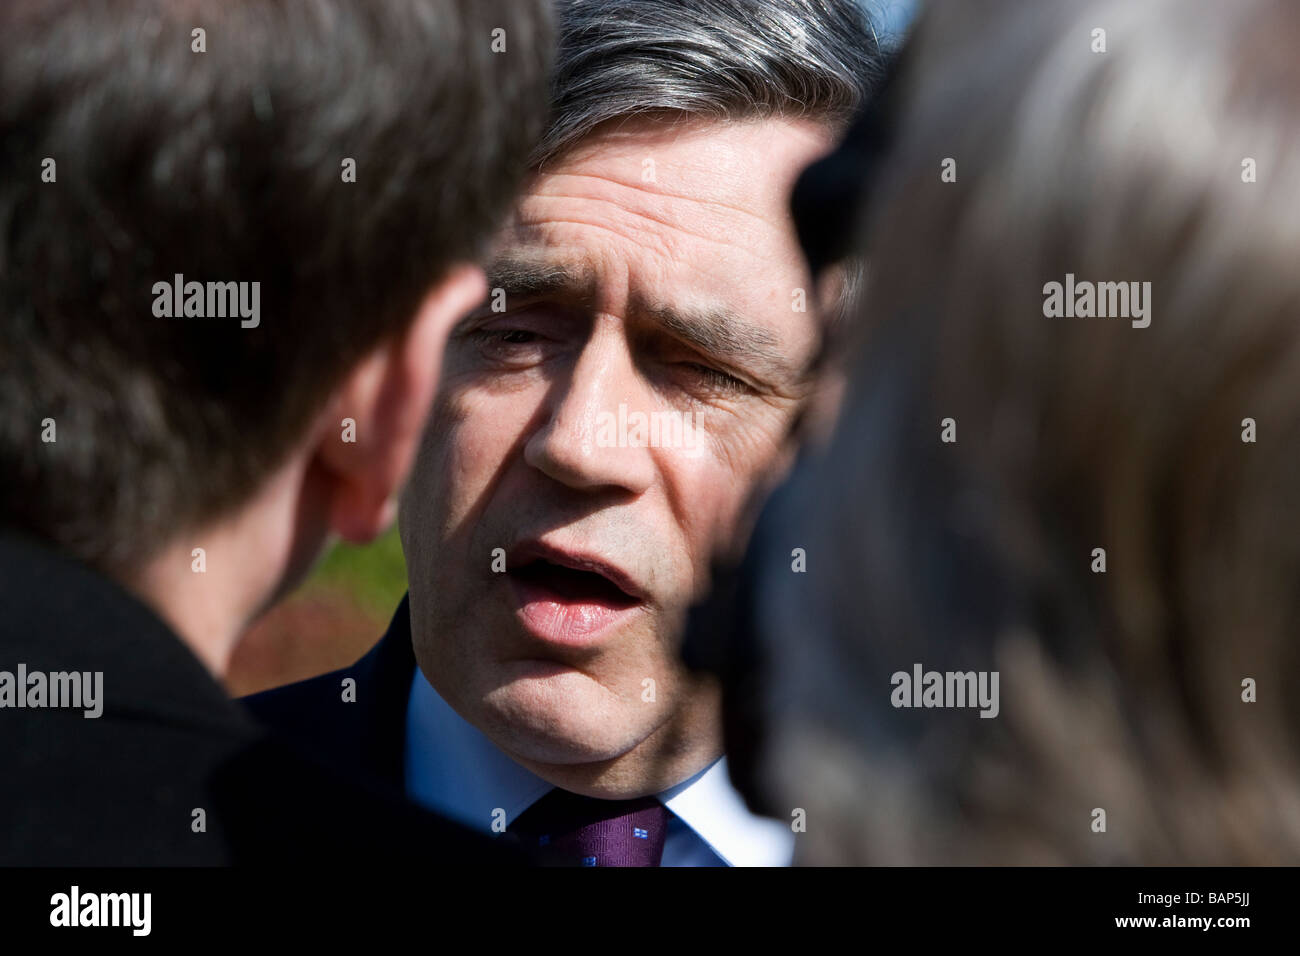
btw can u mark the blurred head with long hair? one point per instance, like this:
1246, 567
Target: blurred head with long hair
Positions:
1067, 456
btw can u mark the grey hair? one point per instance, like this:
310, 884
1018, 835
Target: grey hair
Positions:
724, 59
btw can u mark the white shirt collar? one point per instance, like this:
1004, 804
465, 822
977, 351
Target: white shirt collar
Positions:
454, 769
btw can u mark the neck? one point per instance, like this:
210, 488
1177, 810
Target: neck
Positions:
208, 585
201, 596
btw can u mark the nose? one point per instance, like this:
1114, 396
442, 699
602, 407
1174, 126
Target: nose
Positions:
578, 444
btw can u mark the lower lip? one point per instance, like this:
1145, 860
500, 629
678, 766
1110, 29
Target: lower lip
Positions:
571, 623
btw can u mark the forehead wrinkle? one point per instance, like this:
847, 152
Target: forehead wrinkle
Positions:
660, 223
653, 194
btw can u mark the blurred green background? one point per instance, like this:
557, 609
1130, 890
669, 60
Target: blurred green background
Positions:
373, 575
330, 621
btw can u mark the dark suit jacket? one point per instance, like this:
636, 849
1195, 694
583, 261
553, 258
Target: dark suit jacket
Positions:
365, 737
121, 789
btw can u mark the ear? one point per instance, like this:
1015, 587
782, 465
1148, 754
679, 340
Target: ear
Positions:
362, 463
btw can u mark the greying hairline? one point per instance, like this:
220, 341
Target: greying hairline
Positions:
555, 144
722, 59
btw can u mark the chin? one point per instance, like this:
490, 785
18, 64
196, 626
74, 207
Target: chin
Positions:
563, 719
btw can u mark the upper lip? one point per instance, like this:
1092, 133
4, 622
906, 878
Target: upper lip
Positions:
536, 550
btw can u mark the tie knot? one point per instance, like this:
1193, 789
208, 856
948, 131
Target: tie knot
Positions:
567, 829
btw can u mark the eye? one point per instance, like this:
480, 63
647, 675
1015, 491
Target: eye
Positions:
509, 346
714, 378
509, 336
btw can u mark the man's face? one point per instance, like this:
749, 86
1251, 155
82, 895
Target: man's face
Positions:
598, 438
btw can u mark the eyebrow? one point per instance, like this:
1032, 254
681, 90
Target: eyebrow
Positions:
525, 276
721, 332
715, 330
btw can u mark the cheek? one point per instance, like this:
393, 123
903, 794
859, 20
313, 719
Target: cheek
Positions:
712, 493
474, 433
706, 496
744, 445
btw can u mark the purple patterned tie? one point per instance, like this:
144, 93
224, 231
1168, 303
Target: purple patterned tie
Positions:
565, 829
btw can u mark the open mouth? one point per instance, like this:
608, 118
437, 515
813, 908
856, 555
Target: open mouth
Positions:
575, 586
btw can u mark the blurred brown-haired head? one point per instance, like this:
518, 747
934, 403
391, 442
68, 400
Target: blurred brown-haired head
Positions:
1068, 457
148, 142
